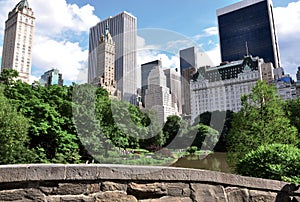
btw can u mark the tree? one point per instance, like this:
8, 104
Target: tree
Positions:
261, 121
275, 161
7, 76
292, 109
13, 134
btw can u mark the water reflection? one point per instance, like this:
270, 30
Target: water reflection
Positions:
215, 161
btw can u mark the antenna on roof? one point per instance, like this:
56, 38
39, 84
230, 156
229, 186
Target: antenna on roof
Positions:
247, 50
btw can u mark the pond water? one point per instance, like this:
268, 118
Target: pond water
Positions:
215, 161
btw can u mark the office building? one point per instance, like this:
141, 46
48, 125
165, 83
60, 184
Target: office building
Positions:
52, 77
188, 66
18, 40
173, 80
221, 87
123, 29
145, 72
248, 26
286, 87
105, 71
298, 74
158, 96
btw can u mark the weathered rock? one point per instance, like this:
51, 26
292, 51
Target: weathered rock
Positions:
208, 193
115, 196
22, 195
168, 199
259, 196
79, 198
70, 189
145, 191
93, 188
178, 189
112, 186
237, 194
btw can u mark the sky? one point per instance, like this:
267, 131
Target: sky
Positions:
164, 27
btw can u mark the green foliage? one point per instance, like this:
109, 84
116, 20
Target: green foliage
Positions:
192, 149
275, 161
261, 121
13, 134
7, 76
292, 109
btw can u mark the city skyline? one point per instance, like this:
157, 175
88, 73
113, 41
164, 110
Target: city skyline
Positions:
55, 37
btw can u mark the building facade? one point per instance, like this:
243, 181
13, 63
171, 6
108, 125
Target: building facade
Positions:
145, 72
158, 96
18, 40
220, 88
52, 77
188, 66
123, 29
248, 26
174, 84
105, 72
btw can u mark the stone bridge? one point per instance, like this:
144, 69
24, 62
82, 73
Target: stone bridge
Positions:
96, 182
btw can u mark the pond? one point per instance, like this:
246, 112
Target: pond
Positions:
215, 161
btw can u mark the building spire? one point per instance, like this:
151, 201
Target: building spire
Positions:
247, 50
22, 4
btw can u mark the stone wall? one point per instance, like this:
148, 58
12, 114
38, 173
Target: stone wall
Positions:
87, 183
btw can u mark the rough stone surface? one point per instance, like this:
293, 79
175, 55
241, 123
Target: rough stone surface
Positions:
70, 189
260, 196
144, 191
112, 186
169, 199
22, 195
90, 183
208, 193
237, 194
178, 189
115, 196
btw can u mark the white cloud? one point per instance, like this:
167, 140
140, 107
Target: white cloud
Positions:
210, 31
55, 19
287, 20
56, 16
66, 56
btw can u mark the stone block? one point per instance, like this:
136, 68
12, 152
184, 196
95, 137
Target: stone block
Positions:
43, 172
258, 196
112, 186
82, 172
70, 189
22, 195
237, 194
208, 193
178, 189
146, 191
169, 199
13, 173
115, 196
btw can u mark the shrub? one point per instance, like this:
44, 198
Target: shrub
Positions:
192, 149
274, 161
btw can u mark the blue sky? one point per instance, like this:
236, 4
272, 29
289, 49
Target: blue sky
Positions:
62, 26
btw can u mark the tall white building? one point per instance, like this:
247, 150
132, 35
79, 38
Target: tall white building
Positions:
158, 96
123, 29
18, 40
220, 88
105, 72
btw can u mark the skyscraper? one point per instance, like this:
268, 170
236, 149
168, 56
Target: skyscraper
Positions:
105, 72
18, 39
145, 72
123, 29
248, 26
188, 66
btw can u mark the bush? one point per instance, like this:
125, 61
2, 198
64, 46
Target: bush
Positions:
274, 161
192, 149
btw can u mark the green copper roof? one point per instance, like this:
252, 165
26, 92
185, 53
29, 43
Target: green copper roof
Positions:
22, 4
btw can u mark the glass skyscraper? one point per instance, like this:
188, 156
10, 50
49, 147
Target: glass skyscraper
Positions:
247, 27
123, 29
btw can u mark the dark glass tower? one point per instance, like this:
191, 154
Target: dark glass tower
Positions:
248, 26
